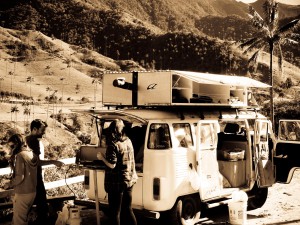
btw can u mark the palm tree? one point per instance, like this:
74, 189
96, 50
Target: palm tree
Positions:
15, 109
48, 89
53, 98
1, 79
62, 92
271, 37
26, 113
30, 79
95, 82
11, 73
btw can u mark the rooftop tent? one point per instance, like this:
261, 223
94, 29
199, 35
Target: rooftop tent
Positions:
206, 78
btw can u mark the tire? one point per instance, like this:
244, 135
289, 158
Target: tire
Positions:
186, 211
257, 197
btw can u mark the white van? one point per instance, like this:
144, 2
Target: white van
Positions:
188, 155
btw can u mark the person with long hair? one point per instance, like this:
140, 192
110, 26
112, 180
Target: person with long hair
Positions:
23, 163
120, 174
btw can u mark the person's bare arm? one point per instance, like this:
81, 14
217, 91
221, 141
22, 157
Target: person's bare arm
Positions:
100, 156
49, 162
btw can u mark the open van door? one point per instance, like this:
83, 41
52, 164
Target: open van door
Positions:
287, 155
263, 153
206, 159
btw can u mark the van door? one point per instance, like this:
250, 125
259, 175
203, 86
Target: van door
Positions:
263, 153
287, 155
206, 159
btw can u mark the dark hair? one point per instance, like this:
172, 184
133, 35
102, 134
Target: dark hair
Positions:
18, 141
37, 123
116, 129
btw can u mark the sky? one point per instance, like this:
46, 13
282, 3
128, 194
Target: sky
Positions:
289, 2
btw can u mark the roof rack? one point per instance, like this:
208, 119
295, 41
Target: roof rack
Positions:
177, 89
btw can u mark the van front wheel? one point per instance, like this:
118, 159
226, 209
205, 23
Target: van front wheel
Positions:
186, 211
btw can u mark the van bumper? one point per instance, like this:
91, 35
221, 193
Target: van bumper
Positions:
138, 211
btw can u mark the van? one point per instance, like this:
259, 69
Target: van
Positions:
193, 152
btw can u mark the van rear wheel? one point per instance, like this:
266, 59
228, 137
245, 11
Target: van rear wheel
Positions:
186, 211
257, 197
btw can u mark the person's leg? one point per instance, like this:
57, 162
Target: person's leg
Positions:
21, 206
41, 203
127, 208
115, 202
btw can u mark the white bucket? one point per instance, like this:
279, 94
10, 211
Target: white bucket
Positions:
237, 212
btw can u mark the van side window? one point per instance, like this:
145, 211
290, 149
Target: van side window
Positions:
182, 132
159, 136
207, 137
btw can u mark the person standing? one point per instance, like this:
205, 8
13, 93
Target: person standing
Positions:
34, 142
23, 163
120, 174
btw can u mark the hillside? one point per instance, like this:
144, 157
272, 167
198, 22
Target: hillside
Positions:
35, 65
162, 13
46, 69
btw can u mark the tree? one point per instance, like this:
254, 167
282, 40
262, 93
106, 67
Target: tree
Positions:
26, 113
77, 88
30, 80
48, 89
62, 92
271, 37
15, 109
95, 82
11, 73
1, 79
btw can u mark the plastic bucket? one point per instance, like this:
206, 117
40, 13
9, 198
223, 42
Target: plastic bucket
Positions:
237, 212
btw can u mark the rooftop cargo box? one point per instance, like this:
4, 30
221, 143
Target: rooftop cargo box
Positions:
164, 88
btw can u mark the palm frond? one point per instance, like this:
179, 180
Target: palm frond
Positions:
259, 44
289, 41
288, 28
256, 19
254, 57
294, 36
252, 62
248, 42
